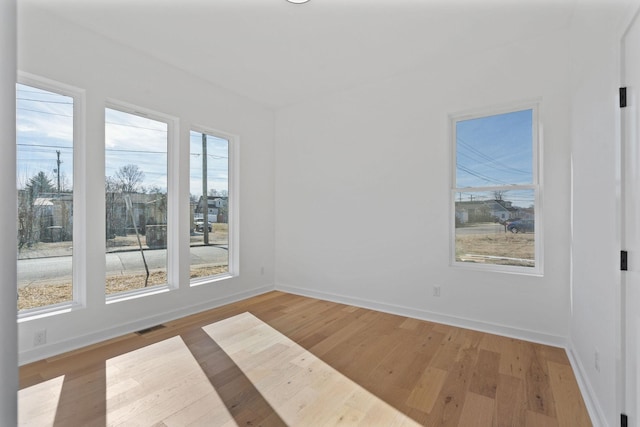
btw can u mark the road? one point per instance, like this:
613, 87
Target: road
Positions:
45, 270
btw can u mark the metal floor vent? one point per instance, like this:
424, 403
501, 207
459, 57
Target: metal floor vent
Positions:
151, 329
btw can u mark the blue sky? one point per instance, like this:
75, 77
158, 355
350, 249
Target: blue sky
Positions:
217, 163
132, 139
496, 151
45, 125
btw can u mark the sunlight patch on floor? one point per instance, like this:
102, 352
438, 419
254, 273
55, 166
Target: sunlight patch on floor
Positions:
37, 404
301, 388
142, 391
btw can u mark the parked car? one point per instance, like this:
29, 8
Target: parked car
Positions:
521, 226
199, 223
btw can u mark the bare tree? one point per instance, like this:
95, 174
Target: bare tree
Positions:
159, 204
29, 226
129, 178
114, 202
498, 195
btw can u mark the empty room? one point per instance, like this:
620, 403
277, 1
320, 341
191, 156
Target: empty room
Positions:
322, 212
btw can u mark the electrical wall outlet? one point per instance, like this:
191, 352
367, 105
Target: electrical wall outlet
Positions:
40, 337
436, 291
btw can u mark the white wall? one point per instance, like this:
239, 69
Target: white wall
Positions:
362, 192
58, 50
8, 328
595, 314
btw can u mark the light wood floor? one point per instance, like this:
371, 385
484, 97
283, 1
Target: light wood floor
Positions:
280, 359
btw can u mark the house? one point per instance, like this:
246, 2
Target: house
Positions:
485, 211
145, 209
48, 217
217, 209
331, 105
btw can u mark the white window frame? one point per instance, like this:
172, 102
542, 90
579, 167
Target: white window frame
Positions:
536, 186
233, 206
79, 244
172, 207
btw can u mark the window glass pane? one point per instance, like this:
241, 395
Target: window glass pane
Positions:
209, 205
495, 150
44, 180
136, 201
495, 227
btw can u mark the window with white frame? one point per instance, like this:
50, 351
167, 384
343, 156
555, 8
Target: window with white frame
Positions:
46, 125
209, 205
136, 182
495, 191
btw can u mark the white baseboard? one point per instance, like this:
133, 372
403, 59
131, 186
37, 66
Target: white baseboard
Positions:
491, 328
75, 343
598, 417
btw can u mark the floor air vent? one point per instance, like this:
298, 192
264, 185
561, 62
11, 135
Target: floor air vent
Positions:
151, 329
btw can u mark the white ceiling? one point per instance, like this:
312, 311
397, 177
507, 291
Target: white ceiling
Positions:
278, 53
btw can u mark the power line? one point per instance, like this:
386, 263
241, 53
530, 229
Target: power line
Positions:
481, 176
45, 146
106, 149
506, 171
213, 156
44, 112
45, 101
489, 158
134, 126
135, 151
106, 122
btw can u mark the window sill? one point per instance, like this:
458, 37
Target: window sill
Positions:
48, 311
138, 293
211, 279
495, 268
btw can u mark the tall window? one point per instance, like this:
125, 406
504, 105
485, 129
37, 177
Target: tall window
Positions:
495, 190
136, 201
209, 205
45, 137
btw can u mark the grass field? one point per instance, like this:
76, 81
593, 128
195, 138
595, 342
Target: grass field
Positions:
497, 248
43, 295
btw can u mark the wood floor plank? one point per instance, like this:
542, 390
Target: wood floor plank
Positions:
345, 329
396, 363
280, 359
539, 395
449, 348
478, 411
570, 407
515, 357
485, 374
448, 408
511, 405
536, 419
427, 389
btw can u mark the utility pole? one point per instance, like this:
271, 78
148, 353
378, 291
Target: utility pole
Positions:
205, 197
58, 170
